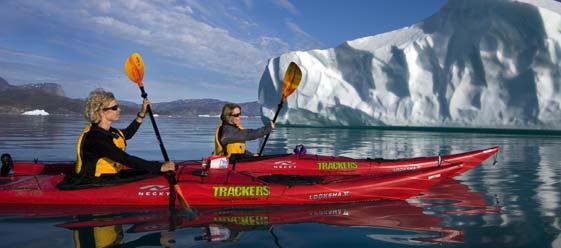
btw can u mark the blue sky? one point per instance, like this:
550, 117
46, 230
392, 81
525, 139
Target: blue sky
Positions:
191, 49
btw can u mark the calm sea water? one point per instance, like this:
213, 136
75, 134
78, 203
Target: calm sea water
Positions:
515, 203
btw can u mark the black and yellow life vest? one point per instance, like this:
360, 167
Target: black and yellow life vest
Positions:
103, 165
231, 149
104, 236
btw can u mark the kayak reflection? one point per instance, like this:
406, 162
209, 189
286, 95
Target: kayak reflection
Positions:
219, 224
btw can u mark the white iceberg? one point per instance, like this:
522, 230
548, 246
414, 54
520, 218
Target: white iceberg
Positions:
38, 112
475, 63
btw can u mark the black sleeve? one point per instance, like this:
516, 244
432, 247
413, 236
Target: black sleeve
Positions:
131, 129
233, 135
105, 148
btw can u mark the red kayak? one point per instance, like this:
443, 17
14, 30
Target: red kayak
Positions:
307, 164
268, 180
226, 222
398, 215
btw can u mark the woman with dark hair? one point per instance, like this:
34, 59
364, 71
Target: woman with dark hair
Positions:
230, 136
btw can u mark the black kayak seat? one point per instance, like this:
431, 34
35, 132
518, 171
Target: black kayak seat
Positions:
7, 164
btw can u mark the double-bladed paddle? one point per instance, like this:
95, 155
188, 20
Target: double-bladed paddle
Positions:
134, 67
292, 78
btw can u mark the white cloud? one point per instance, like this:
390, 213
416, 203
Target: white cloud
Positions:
103, 6
216, 37
286, 4
184, 9
135, 4
296, 29
6, 54
179, 35
171, 31
248, 4
119, 28
275, 46
303, 40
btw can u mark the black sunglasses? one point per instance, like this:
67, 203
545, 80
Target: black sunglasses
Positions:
236, 115
114, 108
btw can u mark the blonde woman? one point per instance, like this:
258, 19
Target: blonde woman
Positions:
230, 136
101, 148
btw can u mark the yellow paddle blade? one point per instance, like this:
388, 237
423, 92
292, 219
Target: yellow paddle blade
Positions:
134, 67
292, 79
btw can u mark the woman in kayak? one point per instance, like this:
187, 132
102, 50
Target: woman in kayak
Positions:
230, 136
101, 148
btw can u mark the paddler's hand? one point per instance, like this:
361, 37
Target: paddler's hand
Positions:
140, 115
167, 166
272, 125
145, 104
167, 239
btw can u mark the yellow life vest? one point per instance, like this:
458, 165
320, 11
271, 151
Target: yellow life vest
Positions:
103, 165
232, 148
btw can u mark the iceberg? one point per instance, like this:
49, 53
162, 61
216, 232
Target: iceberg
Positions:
39, 112
474, 63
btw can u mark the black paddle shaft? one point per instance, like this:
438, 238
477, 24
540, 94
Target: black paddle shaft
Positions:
170, 176
162, 148
274, 120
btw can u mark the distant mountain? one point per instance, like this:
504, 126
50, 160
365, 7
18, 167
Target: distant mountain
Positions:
251, 108
47, 96
19, 100
195, 107
50, 97
4, 84
48, 88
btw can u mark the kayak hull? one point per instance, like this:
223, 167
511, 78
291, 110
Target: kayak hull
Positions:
226, 188
245, 185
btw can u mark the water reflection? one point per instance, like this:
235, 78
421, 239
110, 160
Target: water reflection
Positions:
384, 221
361, 143
525, 182
53, 138
29, 137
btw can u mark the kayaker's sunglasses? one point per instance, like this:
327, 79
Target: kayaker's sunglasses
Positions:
114, 108
236, 115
